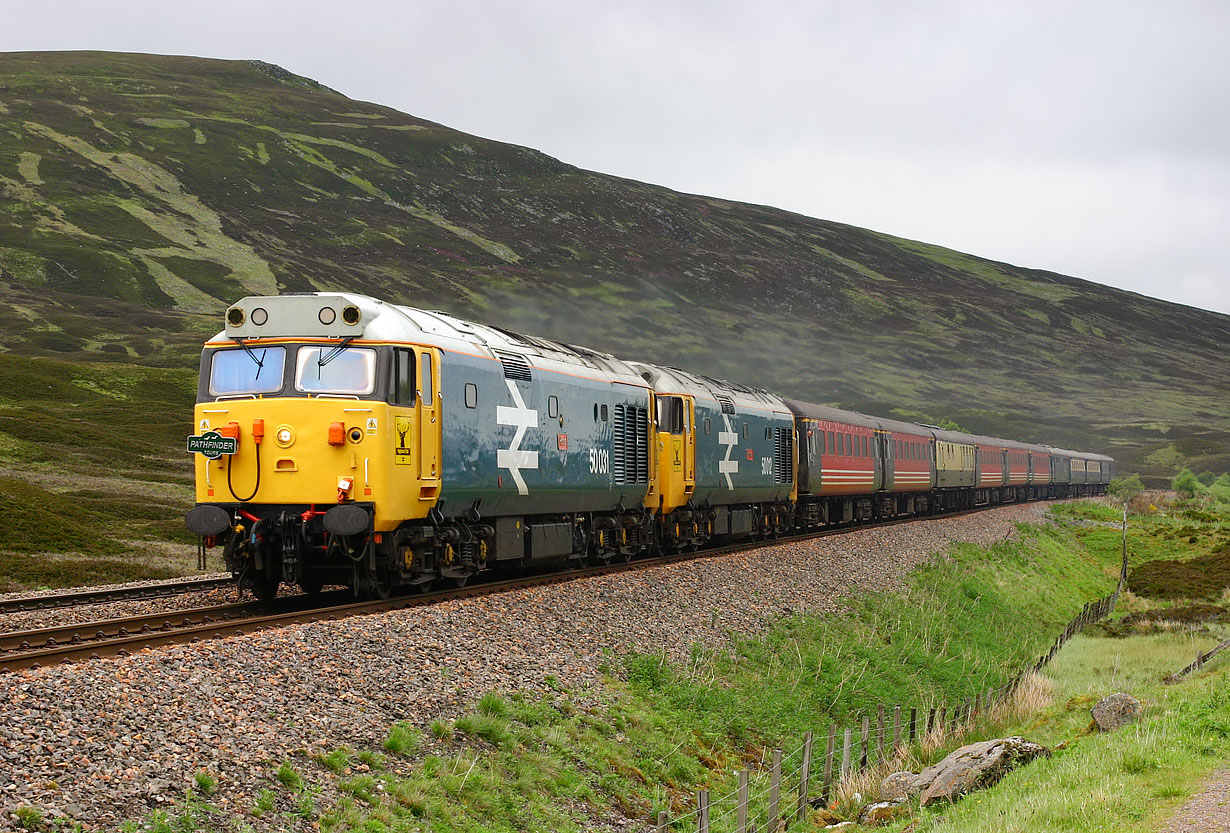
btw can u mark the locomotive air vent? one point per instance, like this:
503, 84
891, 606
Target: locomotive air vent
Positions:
515, 367
728, 404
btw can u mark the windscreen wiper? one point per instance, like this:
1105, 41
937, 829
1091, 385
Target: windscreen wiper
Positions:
260, 363
325, 358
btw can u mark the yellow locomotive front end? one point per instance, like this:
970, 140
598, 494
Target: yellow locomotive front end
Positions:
314, 442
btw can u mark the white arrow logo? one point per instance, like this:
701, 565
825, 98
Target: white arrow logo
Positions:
513, 458
728, 438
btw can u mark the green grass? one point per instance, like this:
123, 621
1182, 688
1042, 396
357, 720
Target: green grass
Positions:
1124, 781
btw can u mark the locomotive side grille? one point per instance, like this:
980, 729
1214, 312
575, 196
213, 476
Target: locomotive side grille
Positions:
728, 404
630, 444
515, 367
642, 447
619, 445
783, 456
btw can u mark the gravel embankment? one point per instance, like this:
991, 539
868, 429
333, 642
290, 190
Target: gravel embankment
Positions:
109, 740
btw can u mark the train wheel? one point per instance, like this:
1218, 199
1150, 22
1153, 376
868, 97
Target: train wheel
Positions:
263, 587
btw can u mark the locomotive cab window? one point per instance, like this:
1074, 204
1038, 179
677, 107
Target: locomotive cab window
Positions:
670, 414
403, 377
237, 371
348, 371
429, 392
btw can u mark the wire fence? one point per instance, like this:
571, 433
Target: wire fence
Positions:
773, 798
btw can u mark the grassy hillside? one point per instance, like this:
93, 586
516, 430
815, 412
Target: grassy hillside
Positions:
139, 195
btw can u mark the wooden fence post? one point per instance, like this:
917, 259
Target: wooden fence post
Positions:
931, 720
896, 728
828, 764
940, 718
702, 811
879, 732
804, 776
913, 723
846, 743
660, 827
866, 738
741, 807
775, 787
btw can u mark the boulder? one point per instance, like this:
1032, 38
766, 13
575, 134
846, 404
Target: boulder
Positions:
974, 767
882, 812
898, 786
1115, 711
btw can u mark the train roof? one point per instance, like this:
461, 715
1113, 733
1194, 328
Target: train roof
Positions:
327, 314
811, 410
672, 380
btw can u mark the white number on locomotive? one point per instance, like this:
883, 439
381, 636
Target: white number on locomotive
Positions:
599, 461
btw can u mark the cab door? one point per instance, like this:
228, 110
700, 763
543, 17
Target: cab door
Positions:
430, 422
689, 446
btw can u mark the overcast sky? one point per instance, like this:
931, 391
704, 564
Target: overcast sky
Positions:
1089, 138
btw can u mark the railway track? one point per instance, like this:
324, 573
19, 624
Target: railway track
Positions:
73, 599
124, 636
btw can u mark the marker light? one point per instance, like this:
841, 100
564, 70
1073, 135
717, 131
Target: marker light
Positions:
259, 316
327, 315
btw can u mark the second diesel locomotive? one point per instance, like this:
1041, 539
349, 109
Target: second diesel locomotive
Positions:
349, 441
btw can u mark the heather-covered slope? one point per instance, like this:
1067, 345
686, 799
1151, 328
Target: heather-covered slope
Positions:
141, 194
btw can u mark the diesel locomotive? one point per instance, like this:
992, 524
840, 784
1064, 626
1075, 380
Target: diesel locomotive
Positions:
341, 440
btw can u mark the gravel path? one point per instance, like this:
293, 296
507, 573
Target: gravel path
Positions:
108, 740
1206, 811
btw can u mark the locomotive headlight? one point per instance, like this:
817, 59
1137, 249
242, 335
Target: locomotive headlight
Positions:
327, 315
284, 436
234, 317
351, 315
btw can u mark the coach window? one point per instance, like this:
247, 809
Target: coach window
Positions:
471, 395
866, 447
831, 447
553, 406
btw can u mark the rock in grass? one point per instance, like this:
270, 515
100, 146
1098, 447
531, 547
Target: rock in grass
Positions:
899, 785
974, 767
882, 812
1116, 710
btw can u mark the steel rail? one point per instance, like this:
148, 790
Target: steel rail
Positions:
93, 631
126, 644
51, 601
